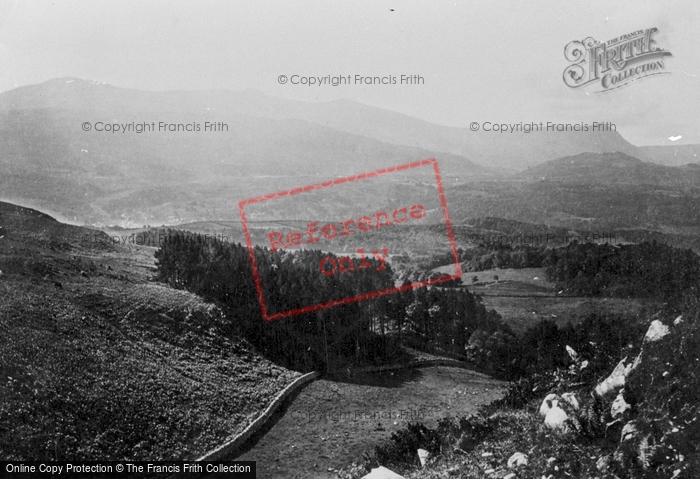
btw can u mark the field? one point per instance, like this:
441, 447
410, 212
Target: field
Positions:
523, 297
330, 424
521, 313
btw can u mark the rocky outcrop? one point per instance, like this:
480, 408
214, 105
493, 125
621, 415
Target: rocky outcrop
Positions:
620, 405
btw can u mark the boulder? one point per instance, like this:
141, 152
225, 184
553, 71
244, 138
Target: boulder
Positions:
556, 418
423, 456
516, 460
546, 405
678, 320
382, 472
656, 331
603, 463
572, 354
615, 381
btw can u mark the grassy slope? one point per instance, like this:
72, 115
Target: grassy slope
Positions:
97, 362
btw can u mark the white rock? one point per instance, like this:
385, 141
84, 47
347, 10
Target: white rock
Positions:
423, 455
517, 459
556, 418
571, 400
619, 405
382, 472
656, 331
614, 382
628, 431
510, 476
678, 320
546, 405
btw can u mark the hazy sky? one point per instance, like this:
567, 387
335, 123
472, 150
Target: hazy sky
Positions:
499, 61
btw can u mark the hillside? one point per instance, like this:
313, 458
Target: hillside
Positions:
613, 168
512, 151
610, 194
673, 155
100, 363
164, 176
635, 419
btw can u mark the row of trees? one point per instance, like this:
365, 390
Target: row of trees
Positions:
490, 256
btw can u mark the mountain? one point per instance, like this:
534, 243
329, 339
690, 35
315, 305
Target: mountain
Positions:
613, 168
511, 151
131, 178
268, 144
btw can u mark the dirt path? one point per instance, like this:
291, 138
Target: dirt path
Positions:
330, 424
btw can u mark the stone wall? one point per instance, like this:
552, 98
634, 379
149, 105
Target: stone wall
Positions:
225, 451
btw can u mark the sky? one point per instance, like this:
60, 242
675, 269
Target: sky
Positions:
498, 61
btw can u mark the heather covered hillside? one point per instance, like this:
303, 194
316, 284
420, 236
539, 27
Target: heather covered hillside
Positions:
97, 362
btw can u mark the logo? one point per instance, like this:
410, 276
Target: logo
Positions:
615, 63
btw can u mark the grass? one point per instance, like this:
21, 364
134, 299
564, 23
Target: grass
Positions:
99, 363
523, 297
330, 424
521, 313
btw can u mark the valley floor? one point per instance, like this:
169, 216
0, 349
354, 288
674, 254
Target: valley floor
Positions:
330, 424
